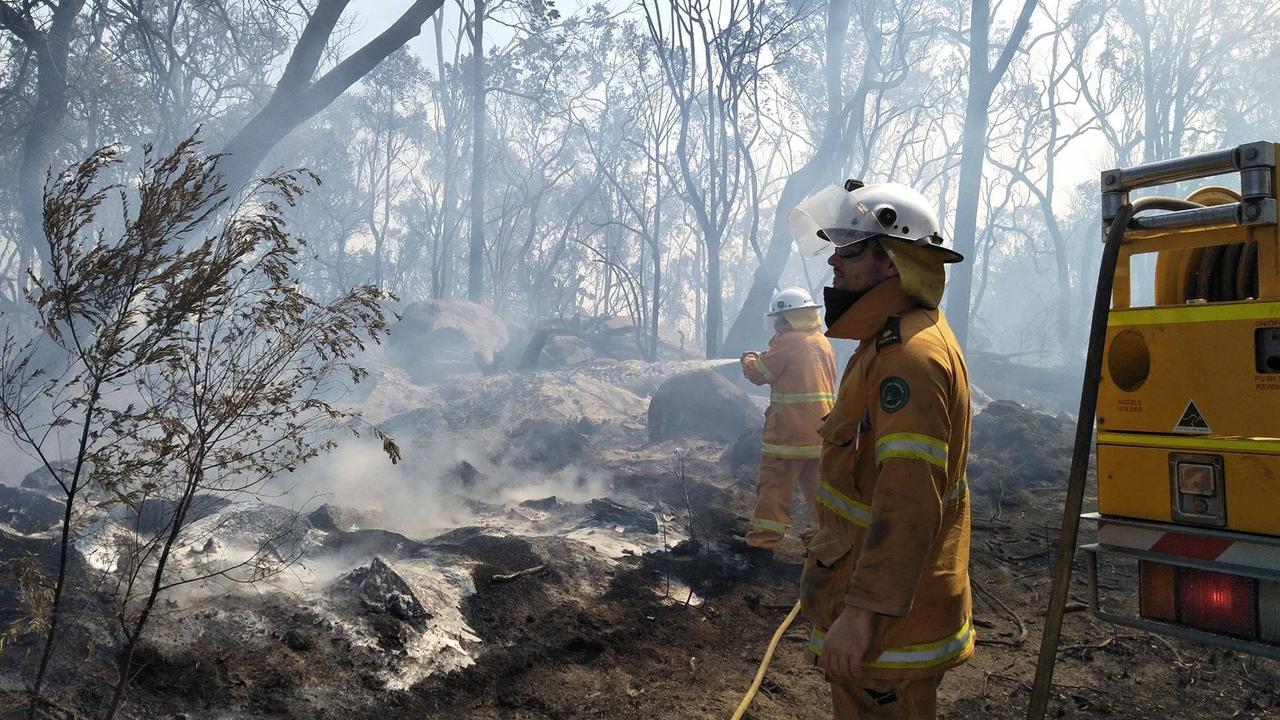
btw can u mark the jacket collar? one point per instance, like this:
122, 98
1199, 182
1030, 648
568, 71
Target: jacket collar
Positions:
869, 314
789, 330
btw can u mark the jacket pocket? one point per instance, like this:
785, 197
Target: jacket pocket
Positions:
820, 584
828, 545
838, 431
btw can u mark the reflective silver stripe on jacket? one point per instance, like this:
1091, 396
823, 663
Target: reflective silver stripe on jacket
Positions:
912, 446
801, 398
846, 507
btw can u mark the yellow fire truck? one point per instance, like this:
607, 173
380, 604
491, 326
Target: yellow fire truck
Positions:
1186, 396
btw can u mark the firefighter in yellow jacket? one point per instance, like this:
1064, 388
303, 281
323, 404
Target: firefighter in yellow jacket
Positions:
886, 579
800, 369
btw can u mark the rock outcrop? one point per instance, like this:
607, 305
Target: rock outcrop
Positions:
701, 404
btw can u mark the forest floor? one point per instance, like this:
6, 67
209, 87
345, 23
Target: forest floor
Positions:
678, 632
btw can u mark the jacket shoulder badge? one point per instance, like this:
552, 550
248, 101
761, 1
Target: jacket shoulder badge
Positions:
890, 334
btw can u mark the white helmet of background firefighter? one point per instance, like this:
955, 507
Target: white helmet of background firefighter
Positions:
896, 216
792, 298
792, 306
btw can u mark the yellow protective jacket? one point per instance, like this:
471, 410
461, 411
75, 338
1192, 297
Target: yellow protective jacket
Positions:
800, 368
893, 516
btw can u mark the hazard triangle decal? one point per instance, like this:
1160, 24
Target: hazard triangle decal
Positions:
1192, 422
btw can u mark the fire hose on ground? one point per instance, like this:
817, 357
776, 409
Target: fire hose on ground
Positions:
764, 663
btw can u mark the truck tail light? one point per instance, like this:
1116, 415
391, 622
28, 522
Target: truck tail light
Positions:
1218, 602
1211, 601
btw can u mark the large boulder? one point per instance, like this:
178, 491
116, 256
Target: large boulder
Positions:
562, 351
701, 404
28, 511
335, 518
155, 514
41, 479
438, 338
542, 444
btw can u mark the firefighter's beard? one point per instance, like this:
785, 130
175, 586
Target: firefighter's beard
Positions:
838, 302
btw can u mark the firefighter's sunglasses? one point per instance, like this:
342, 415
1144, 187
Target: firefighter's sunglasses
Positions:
853, 251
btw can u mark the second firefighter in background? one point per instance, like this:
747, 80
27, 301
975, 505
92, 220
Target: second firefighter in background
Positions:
799, 367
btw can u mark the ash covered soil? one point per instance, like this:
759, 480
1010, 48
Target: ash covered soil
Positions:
624, 593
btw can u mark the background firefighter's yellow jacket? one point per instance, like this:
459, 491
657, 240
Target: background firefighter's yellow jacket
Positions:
893, 513
799, 367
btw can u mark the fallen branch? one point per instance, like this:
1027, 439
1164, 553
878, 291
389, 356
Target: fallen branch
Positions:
1027, 556
1088, 646
518, 574
1027, 686
1022, 628
1178, 660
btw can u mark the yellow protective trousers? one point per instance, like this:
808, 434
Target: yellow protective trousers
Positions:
775, 487
886, 699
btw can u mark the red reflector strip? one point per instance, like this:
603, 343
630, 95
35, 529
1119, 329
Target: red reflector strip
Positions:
1217, 602
1201, 548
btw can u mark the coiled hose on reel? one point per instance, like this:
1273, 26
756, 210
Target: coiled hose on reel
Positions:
1218, 273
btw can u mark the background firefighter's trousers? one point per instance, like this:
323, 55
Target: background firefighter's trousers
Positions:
775, 487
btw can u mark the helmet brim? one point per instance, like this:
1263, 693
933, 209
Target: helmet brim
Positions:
810, 306
949, 256
833, 218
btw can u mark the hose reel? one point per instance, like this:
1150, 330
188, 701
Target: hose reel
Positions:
1218, 273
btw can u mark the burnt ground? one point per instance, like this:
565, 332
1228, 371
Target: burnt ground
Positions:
557, 647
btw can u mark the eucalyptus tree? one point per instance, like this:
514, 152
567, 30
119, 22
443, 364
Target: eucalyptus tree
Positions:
47, 33
388, 145
1047, 124
860, 65
198, 61
712, 59
439, 191
984, 75
303, 91
628, 128
1165, 78
1162, 76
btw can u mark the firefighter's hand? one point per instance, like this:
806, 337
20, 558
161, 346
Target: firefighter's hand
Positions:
847, 641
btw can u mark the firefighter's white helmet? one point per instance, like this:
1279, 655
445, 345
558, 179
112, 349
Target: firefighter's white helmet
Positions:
792, 298
840, 217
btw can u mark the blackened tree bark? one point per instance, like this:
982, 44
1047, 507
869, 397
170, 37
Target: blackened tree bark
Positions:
442, 281
886, 62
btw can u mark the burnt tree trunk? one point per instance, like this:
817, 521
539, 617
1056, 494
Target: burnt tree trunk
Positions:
297, 98
475, 252
982, 82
